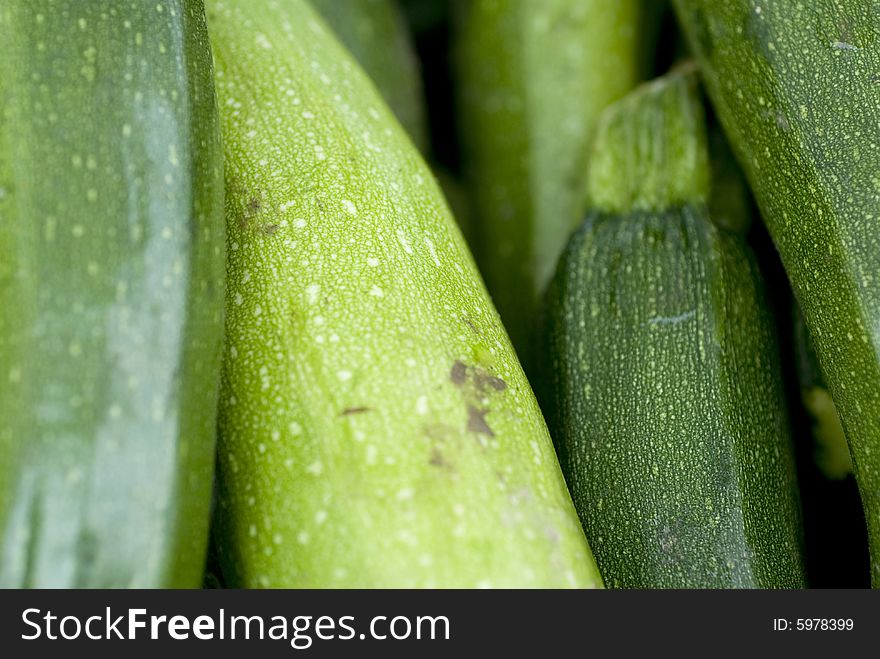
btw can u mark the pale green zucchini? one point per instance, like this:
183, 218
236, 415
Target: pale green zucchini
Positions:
533, 76
376, 427
376, 34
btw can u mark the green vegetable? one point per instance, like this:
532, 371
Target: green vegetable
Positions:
376, 34
831, 450
376, 428
664, 391
795, 87
533, 77
111, 286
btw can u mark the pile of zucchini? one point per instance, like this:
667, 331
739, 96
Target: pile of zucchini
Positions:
243, 341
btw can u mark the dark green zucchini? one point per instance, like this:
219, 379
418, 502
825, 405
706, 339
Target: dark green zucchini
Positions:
795, 86
664, 393
111, 292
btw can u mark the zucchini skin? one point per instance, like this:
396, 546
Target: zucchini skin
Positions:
111, 227
794, 86
533, 77
375, 32
667, 406
663, 385
376, 429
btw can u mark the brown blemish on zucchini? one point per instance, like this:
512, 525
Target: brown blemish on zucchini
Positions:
458, 374
438, 460
477, 421
484, 379
471, 324
349, 411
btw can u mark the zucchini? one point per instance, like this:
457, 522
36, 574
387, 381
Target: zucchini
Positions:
795, 88
831, 452
376, 34
532, 79
664, 392
376, 428
111, 285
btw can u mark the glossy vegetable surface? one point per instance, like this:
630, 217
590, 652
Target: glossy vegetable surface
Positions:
111, 290
664, 387
795, 87
376, 428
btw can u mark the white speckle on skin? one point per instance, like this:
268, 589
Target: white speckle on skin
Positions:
401, 237
422, 405
320, 517
312, 292
316, 468
372, 262
294, 428
262, 41
432, 250
405, 494
350, 207
375, 291
672, 320
344, 376
303, 537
